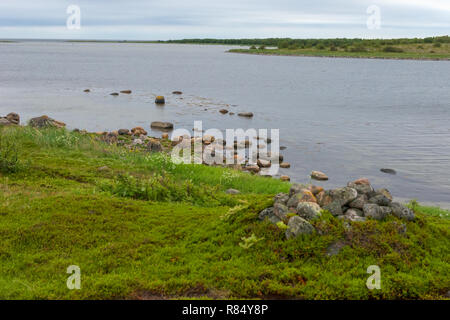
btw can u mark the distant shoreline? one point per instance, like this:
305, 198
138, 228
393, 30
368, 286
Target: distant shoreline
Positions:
350, 55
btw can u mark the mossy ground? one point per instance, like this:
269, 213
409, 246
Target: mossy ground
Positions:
146, 228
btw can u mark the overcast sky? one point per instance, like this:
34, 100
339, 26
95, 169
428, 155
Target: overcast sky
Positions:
177, 19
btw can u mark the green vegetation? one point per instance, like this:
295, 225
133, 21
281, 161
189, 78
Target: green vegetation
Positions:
140, 226
427, 48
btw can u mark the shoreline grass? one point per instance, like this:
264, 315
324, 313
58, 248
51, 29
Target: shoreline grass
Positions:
58, 209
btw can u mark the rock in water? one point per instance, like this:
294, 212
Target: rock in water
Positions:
45, 122
87, 90
285, 178
161, 125
115, 94
160, 100
126, 91
298, 226
246, 114
317, 175
13, 118
223, 111
177, 92
285, 165
388, 171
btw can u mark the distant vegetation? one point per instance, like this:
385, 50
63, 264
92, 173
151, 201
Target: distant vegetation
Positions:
415, 48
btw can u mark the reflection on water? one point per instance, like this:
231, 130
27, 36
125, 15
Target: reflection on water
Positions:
346, 117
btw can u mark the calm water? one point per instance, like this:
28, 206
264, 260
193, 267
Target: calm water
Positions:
345, 117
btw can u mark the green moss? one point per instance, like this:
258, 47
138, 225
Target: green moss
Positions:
60, 210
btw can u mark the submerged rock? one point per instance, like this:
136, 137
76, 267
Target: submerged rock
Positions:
126, 91
177, 92
161, 125
223, 111
317, 175
246, 114
388, 171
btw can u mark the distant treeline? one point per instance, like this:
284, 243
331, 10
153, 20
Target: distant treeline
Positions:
309, 43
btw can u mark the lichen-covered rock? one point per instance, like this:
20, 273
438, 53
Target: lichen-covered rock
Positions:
5, 122
296, 188
303, 196
401, 211
385, 192
362, 186
123, 132
324, 198
334, 207
353, 215
232, 191
374, 211
298, 226
359, 202
315, 189
161, 125
280, 210
309, 210
281, 198
380, 200
269, 214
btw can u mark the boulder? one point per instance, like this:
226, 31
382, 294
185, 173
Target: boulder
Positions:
137, 131
45, 122
280, 210
154, 146
334, 208
361, 185
165, 136
315, 189
282, 198
309, 210
263, 163
296, 188
385, 192
285, 165
269, 214
353, 215
126, 91
161, 125
298, 226
380, 200
245, 114
359, 202
123, 132
317, 175
5, 122
232, 191
401, 211
160, 100
303, 196
285, 178
223, 111
252, 168
374, 211
13, 118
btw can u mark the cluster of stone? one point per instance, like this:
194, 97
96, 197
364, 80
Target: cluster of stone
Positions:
358, 201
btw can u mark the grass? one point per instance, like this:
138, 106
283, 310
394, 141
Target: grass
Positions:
401, 51
147, 228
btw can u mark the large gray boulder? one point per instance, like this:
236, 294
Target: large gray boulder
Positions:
281, 198
280, 210
401, 211
374, 211
13, 118
45, 122
269, 214
298, 226
309, 210
359, 202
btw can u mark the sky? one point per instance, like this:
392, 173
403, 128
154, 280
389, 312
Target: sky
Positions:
180, 19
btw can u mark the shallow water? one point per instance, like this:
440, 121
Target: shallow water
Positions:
345, 117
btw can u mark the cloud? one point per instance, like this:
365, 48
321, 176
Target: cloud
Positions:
172, 19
